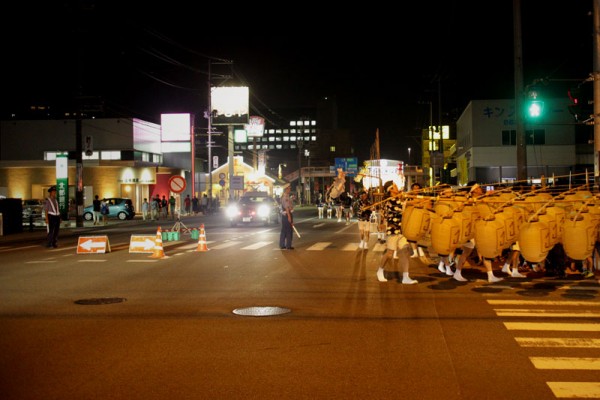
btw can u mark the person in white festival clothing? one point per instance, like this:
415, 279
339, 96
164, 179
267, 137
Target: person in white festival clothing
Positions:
467, 248
363, 214
395, 241
287, 220
52, 217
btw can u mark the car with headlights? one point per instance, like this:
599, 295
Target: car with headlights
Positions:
118, 207
253, 207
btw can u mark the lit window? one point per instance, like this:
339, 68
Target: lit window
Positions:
306, 123
278, 131
313, 123
299, 123
286, 138
94, 156
110, 155
286, 131
313, 138
292, 123
271, 139
278, 147
332, 149
292, 138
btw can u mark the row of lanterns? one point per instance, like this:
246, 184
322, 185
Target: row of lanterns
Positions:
537, 221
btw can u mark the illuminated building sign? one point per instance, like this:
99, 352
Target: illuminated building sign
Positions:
175, 127
230, 105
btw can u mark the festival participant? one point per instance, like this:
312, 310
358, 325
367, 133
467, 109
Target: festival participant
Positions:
395, 240
467, 248
363, 213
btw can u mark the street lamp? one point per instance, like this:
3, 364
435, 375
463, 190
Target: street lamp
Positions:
409, 156
308, 185
300, 144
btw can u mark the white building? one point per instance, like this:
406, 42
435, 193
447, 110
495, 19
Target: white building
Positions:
486, 140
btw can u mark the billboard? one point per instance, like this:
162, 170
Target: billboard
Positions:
256, 126
176, 127
230, 105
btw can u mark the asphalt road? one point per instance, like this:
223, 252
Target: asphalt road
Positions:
192, 325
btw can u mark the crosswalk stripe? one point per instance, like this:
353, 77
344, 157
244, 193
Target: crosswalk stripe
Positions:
551, 326
568, 363
542, 302
506, 312
350, 247
575, 390
558, 342
256, 245
318, 246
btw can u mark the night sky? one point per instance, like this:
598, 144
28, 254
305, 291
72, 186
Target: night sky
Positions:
379, 64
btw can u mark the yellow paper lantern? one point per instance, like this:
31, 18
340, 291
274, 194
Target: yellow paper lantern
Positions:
579, 235
416, 223
445, 234
534, 241
490, 236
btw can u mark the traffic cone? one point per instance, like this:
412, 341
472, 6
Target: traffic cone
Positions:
158, 247
202, 240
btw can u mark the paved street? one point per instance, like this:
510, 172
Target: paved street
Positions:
122, 325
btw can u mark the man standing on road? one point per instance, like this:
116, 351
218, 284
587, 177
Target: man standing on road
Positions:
96, 204
52, 217
287, 220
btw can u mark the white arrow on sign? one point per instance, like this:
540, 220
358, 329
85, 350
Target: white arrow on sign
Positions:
89, 244
148, 244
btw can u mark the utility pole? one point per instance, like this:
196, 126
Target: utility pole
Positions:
518, 65
596, 76
209, 116
440, 128
78, 128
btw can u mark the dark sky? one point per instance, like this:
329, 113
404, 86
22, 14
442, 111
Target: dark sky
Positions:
378, 63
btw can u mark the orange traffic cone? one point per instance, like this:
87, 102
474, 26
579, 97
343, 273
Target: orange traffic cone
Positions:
202, 240
158, 247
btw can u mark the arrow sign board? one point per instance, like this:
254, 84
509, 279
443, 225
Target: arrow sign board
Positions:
142, 243
177, 183
93, 244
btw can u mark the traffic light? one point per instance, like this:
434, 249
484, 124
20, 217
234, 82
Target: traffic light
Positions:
582, 101
534, 107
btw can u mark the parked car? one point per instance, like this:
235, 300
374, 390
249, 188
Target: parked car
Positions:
253, 207
118, 207
33, 212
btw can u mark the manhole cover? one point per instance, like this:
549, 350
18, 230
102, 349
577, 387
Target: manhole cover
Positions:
261, 311
103, 300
